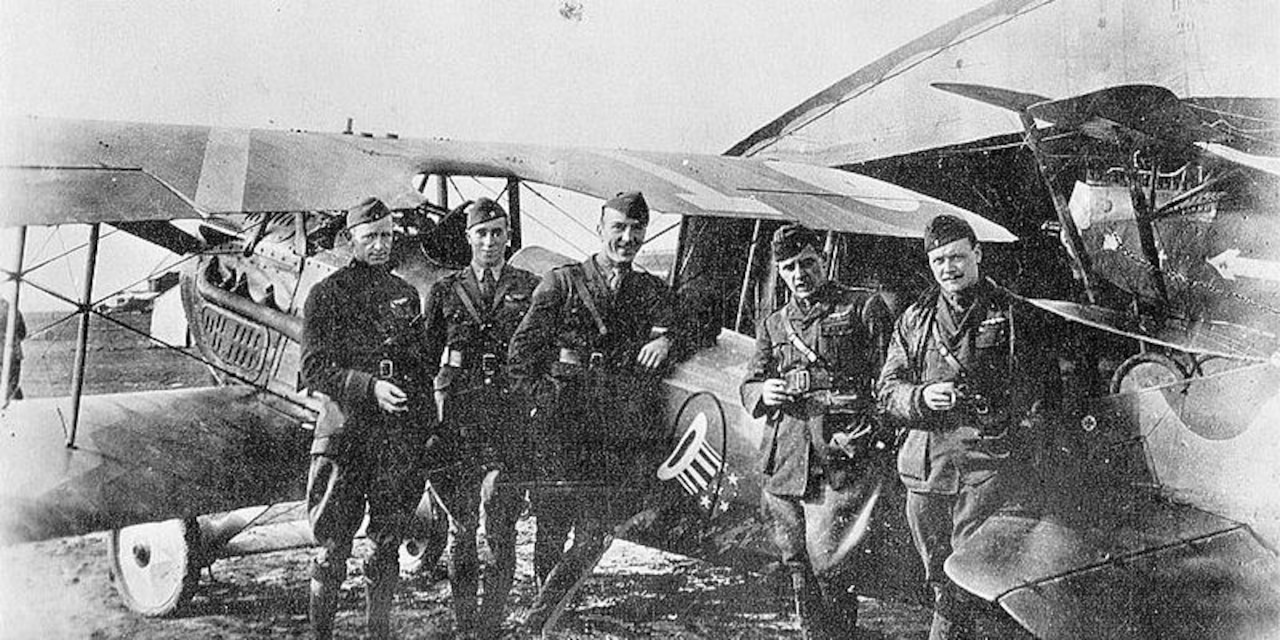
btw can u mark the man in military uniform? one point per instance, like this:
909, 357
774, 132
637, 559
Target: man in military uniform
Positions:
471, 315
361, 348
970, 374
589, 352
812, 376
13, 391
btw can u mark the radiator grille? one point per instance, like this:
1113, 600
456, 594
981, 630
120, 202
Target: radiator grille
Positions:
241, 345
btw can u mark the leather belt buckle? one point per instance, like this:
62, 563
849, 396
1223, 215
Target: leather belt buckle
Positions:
453, 357
386, 369
596, 360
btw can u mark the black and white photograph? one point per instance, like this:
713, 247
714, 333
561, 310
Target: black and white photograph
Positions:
632, 319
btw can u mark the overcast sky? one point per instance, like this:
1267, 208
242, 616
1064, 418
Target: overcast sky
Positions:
644, 74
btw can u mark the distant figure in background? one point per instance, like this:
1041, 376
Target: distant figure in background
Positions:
362, 347
14, 391
812, 377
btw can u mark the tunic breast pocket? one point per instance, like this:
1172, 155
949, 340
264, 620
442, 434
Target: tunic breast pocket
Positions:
784, 356
845, 331
842, 339
992, 333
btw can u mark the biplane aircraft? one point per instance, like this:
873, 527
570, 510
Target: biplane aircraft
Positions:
265, 205
1130, 148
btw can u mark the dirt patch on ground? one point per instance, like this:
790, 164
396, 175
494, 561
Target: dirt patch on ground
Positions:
62, 589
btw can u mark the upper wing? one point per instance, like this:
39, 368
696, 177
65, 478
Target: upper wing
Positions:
143, 457
75, 171
1045, 47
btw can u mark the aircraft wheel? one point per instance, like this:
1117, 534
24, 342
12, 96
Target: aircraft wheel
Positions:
1145, 371
153, 565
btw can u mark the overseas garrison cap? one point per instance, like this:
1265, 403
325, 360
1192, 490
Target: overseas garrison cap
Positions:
945, 229
369, 210
482, 211
790, 239
630, 204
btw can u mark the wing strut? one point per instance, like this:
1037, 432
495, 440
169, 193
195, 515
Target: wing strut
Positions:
752, 258
11, 318
513, 212
82, 338
1070, 234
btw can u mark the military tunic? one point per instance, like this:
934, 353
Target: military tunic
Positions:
468, 337
358, 325
847, 330
581, 366
960, 465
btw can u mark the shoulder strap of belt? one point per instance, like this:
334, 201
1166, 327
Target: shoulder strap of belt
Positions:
578, 279
946, 348
796, 341
467, 302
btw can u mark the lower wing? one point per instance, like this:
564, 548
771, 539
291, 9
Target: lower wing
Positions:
1153, 569
142, 457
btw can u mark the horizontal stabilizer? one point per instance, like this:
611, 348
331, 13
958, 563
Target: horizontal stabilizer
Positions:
1152, 110
1003, 98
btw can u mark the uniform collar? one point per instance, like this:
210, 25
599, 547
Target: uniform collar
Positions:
365, 266
962, 301
479, 271
607, 266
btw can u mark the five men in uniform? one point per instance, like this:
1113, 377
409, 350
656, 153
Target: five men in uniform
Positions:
584, 349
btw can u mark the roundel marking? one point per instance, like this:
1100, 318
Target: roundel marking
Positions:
698, 456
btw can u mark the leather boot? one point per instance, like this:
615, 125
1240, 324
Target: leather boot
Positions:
381, 579
837, 616
497, 587
951, 618
323, 606
807, 600
464, 603
554, 521
464, 579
